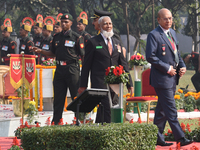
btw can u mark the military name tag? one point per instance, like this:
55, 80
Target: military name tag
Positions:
37, 43
45, 46
23, 47
99, 47
69, 43
5, 48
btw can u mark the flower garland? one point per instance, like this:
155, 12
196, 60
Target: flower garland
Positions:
45, 67
41, 94
36, 89
31, 94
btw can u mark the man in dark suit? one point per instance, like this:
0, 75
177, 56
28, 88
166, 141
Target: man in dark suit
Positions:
99, 57
96, 16
166, 68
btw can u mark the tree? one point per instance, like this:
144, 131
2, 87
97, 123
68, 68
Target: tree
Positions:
175, 6
190, 29
136, 10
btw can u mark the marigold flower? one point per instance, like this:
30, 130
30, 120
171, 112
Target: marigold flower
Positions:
177, 97
180, 91
32, 103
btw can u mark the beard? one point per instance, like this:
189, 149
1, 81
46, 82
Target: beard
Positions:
107, 34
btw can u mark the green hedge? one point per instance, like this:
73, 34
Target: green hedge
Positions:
114, 136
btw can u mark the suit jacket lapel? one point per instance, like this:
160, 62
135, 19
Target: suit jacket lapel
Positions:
166, 39
102, 43
174, 37
114, 45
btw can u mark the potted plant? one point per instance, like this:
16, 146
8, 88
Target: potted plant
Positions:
137, 62
114, 76
31, 111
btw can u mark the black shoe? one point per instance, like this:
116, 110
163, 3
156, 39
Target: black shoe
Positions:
183, 141
163, 143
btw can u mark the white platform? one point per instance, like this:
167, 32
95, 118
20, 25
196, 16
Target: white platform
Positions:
181, 115
9, 123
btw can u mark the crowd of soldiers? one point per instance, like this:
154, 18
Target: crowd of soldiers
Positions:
43, 29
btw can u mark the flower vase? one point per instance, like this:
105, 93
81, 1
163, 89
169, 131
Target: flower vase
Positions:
115, 88
17, 106
136, 71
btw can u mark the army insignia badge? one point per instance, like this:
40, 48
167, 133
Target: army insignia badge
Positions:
118, 48
163, 49
81, 45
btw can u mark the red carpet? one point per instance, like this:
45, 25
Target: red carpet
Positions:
6, 143
173, 147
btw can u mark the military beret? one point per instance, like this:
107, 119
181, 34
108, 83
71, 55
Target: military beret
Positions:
100, 13
67, 16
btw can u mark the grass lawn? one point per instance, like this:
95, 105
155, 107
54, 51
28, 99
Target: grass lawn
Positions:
183, 82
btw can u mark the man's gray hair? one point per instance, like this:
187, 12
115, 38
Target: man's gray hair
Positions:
101, 18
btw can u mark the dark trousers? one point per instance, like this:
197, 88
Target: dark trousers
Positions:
65, 77
196, 81
107, 112
106, 106
166, 111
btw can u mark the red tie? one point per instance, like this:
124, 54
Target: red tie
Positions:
171, 41
109, 46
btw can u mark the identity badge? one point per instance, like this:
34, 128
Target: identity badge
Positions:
5, 48
45, 46
23, 46
69, 43
99, 47
37, 43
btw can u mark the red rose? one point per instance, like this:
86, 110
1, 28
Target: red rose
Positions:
138, 57
132, 57
119, 71
115, 72
107, 71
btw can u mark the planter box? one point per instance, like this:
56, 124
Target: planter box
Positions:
47, 83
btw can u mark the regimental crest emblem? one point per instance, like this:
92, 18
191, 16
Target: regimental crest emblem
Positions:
29, 68
16, 67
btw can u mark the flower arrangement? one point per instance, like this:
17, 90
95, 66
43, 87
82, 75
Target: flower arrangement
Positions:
116, 75
137, 60
49, 62
31, 111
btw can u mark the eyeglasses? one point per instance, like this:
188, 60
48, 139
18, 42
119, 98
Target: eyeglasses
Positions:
166, 19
